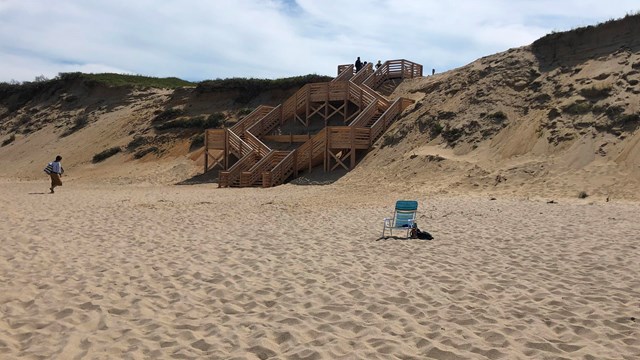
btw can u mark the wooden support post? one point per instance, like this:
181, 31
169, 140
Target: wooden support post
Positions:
326, 106
226, 150
308, 105
345, 108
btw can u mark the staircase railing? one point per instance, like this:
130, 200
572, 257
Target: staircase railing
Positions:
294, 102
280, 172
309, 152
363, 74
253, 117
227, 178
261, 148
365, 115
387, 118
251, 176
267, 123
237, 146
360, 96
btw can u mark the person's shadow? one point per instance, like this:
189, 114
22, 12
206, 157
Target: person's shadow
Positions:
39, 193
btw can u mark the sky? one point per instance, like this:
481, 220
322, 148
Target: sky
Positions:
199, 40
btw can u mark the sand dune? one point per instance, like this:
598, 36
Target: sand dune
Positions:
295, 272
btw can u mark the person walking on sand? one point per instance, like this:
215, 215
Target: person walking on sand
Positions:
55, 170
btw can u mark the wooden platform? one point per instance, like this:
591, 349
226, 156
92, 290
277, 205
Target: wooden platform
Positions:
245, 159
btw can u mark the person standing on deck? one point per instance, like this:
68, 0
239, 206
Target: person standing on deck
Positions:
358, 64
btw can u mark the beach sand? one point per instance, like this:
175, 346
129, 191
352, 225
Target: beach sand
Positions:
106, 271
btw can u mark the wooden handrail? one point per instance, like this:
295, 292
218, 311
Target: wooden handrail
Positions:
365, 115
250, 119
310, 150
228, 177
266, 123
280, 172
361, 75
249, 177
385, 120
237, 146
261, 148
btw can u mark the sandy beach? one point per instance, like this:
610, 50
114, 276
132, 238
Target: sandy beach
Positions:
104, 271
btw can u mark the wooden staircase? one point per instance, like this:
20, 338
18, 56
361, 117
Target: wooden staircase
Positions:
256, 164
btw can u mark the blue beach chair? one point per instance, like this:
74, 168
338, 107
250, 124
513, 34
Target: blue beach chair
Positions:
403, 218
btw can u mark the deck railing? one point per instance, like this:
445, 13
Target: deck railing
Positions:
393, 69
345, 72
347, 137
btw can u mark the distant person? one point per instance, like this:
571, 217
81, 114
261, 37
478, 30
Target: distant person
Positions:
364, 64
433, 71
378, 64
55, 170
358, 64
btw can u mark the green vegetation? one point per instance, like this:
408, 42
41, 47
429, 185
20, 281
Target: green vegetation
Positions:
168, 114
106, 154
446, 115
596, 92
116, 80
80, 122
143, 152
577, 108
197, 141
259, 85
249, 88
451, 135
9, 140
435, 128
630, 121
199, 122
497, 116
137, 142
244, 112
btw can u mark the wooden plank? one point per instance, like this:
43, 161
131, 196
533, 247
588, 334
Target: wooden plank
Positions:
287, 138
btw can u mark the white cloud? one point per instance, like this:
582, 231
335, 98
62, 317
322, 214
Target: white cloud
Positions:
200, 39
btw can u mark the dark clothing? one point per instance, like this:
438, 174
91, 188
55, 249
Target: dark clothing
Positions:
358, 65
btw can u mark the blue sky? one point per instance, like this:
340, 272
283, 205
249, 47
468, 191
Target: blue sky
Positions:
207, 39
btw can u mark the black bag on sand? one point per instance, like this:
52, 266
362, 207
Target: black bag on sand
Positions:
423, 235
419, 234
